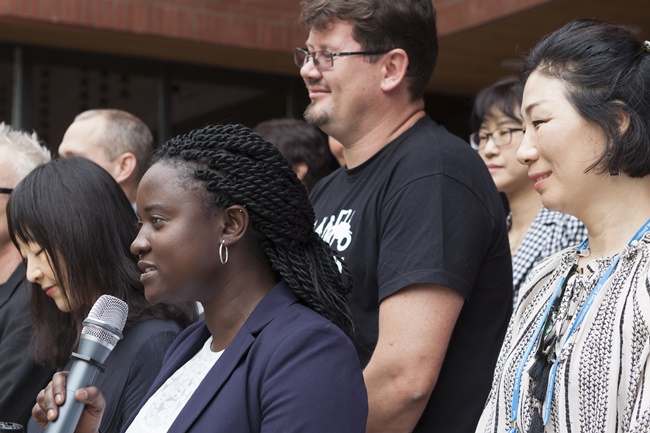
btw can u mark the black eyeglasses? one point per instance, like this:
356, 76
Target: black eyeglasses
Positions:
323, 59
6, 190
500, 137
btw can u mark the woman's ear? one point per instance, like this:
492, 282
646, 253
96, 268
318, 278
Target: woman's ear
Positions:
235, 219
622, 117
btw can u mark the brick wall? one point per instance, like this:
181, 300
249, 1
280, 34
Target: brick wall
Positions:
261, 24
264, 24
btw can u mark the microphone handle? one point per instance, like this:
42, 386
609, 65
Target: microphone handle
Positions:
82, 374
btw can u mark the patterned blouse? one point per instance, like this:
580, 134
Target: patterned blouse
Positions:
549, 233
602, 382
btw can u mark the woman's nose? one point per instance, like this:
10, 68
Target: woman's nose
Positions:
34, 273
527, 152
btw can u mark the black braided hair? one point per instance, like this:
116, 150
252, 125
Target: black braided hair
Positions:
239, 167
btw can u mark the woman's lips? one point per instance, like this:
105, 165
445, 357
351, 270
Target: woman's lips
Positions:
539, 179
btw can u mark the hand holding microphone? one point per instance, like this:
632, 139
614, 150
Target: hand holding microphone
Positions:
101, 332
90, 397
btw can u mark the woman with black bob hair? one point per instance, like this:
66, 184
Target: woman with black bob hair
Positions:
226, 222
73, 226
576, 353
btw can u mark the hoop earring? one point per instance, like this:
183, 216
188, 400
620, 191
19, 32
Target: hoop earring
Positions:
223, 262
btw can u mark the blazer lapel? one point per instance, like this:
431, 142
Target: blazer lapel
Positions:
275, 301
213, 382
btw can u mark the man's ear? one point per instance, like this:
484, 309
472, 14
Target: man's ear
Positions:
396, 63
124, 166
235, 224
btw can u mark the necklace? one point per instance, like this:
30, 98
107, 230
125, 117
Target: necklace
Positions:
572, 326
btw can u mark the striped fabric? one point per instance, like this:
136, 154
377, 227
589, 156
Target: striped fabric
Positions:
600, 385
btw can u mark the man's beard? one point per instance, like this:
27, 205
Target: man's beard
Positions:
315, 119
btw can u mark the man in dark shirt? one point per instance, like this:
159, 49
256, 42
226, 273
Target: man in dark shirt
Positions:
414, 214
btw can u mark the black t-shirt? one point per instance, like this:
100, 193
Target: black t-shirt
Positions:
424, 210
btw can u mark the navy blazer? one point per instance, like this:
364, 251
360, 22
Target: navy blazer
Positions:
287, 370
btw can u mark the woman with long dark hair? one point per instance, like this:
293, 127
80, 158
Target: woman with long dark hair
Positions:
226, 222
73, 226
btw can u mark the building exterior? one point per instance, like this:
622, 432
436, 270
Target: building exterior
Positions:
179, 64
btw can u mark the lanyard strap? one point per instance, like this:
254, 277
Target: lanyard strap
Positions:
529, 348
576, 323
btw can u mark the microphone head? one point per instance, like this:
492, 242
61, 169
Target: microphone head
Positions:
106, 319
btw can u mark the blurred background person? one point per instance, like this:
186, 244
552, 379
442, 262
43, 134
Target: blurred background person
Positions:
534, 232
118, 141
74, 226
305, 147
20, 377
225, 221
577, 350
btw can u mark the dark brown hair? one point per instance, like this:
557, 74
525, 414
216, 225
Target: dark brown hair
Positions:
385, 25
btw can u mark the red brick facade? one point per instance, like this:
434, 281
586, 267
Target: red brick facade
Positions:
269, 25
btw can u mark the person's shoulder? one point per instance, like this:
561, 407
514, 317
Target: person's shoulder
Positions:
430, 135
428, 147
150, 332
326, 181
298, 322
547, 216
154, 325
301, 336
571, 227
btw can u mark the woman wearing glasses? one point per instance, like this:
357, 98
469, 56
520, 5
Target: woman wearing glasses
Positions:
534, 232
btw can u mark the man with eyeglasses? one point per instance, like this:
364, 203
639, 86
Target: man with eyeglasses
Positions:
20, 378
414, 215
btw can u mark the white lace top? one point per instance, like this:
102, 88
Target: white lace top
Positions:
162, 408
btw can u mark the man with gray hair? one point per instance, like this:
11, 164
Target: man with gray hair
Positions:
116, 140
20, 378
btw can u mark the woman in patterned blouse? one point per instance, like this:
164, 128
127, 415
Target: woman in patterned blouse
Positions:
576, 355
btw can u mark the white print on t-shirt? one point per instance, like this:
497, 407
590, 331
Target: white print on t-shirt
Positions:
335, 231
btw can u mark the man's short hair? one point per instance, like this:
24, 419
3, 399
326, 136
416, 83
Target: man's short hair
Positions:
123, 132
385, 25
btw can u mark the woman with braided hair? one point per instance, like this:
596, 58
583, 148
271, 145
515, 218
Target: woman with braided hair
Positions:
226, 222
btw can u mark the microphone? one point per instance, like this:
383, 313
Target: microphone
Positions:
101, 331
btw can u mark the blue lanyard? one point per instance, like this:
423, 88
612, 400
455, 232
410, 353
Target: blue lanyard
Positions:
576, 323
